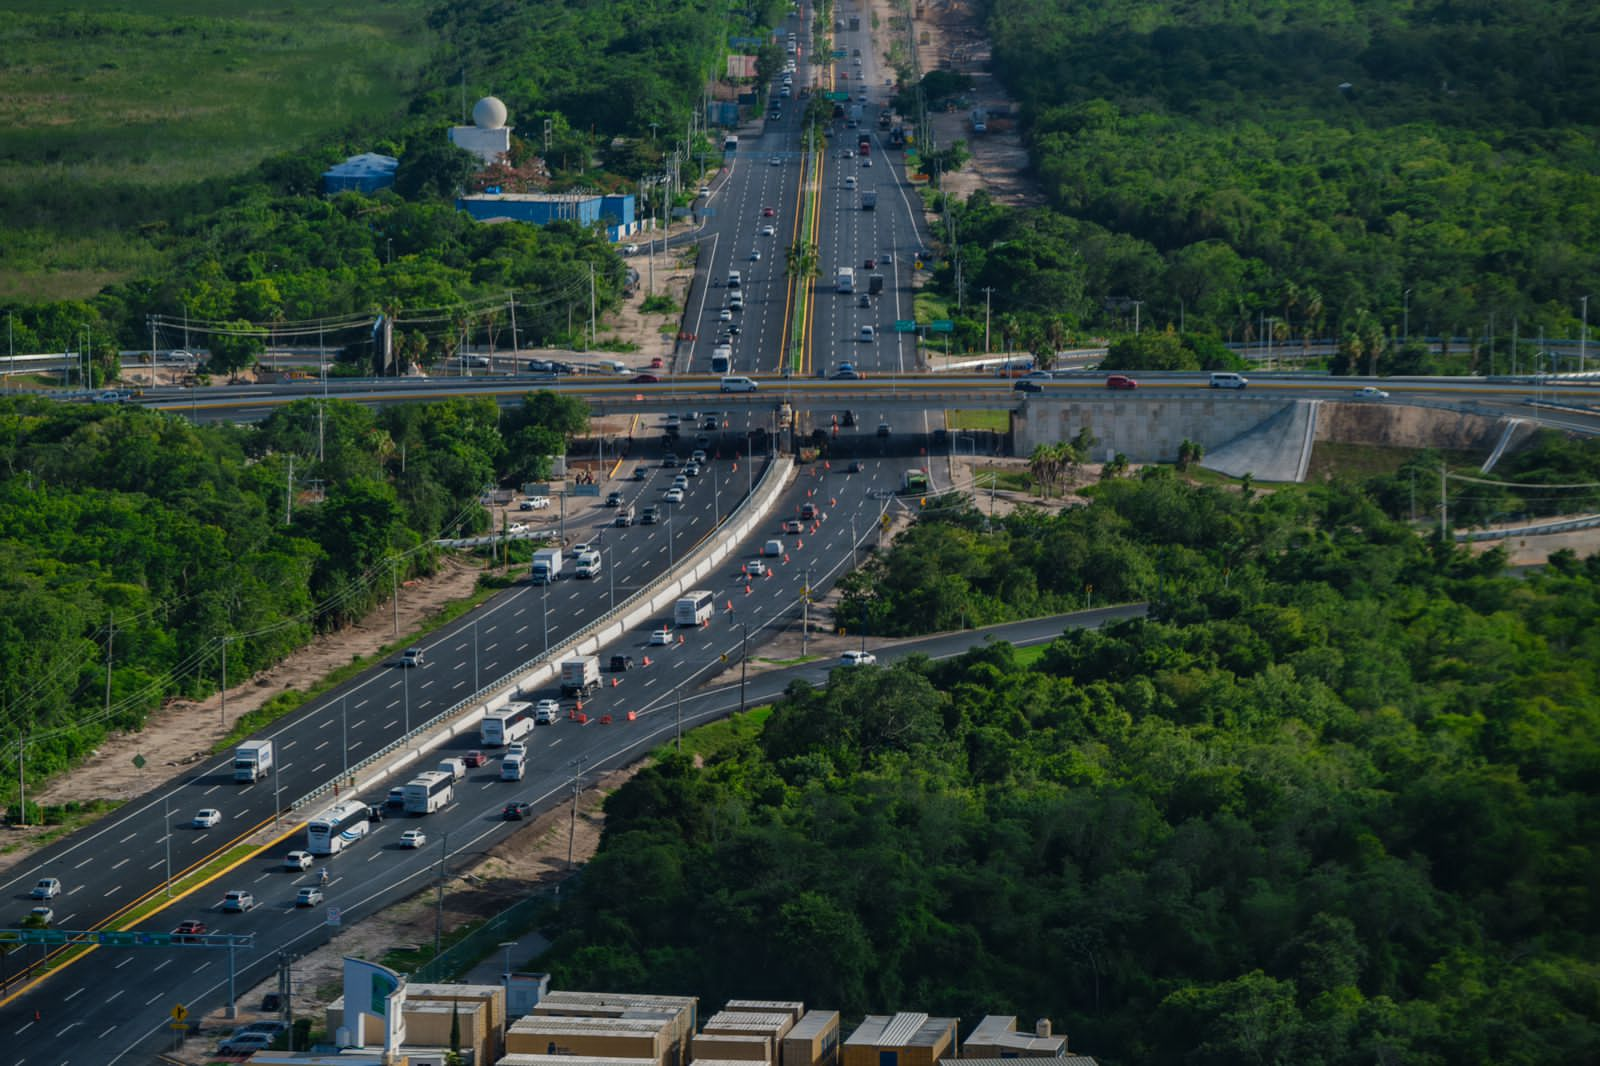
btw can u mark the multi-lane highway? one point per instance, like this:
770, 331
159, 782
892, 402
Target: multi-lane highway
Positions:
132, 990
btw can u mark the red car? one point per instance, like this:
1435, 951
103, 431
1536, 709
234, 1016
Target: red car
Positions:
190, 928
1121, 381
768, 212
474, 758
872, 264
646, 379
656, 363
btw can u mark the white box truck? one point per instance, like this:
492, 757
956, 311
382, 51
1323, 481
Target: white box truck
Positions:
546, 565
845, 280
580, 675
252, 761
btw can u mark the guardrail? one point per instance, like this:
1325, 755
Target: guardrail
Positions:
1563, 526
467, 712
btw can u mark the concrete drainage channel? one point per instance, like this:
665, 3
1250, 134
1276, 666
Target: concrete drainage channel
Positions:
642, 605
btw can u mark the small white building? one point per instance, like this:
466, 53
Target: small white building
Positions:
488, 138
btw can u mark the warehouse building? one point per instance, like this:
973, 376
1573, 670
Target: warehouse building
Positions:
814, 1041
616, 212
364, 173
904, 1039
996, 1037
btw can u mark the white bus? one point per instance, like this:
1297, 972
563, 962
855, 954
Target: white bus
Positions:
336, 828
512, 722
429, 792
694, 607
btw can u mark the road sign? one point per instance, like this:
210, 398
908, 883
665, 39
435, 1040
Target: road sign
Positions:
836, 97
905, 325
138, 762
942, 325
584, 490
179, 1012
838, 53
333, 916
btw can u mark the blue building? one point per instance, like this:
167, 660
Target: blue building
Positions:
616, 213
366, 173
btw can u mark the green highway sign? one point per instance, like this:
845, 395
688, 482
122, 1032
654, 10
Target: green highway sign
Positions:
942, 325
838, 53
837, 97
905, 325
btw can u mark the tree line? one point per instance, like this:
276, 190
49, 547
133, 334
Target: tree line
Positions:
1331, 802
137, 539
1367, 172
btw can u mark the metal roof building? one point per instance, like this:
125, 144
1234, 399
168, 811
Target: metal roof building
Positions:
367, 173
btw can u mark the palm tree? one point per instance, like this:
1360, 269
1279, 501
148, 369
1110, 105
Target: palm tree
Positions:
1189, 453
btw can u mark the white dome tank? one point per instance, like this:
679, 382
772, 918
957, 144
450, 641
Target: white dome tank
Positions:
489, 113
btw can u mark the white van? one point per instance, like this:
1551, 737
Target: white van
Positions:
456, 768
1224, 380
734, 280
512, 768
737, 384
736, 301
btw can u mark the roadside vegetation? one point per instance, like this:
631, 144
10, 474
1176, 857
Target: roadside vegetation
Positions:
175, 169
138, 543
1365, 172
1332, 802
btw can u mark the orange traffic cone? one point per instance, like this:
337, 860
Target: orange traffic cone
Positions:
680, 638
826, 465
615, 682
730, 605
647, 660
833, 501
798, 544
747, 588
785, 556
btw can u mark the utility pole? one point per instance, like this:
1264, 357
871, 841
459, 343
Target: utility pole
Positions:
805, 613
288, 494
516, 355
394, 593
111, 633
593, 335
988, 292
222, 710
438, 903
1583, 337
1444, 507
678, 714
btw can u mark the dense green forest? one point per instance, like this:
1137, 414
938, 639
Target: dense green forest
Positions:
265, 247
1332, 802
1340, 168
141, 534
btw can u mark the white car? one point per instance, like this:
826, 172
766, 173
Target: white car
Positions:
297, 860
755, 568
517, 527
548, 712
755, 255
207, 818
41, 915
534, 503
768, 231
777, 162
772, 547
516, 747
245, 1043
725, 315
413, 838
46, 888
674, 495
238, 901
583, 547
705, 190
858, 658
660, 637
411, 657
630, 249
1371, 392
308, 896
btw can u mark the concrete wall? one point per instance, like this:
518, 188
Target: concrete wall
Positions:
1145, 430
1395, 425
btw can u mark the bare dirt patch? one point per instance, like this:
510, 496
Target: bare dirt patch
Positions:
949, 36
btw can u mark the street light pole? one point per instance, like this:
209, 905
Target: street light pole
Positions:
544, 609
475, 685
1583, 337
405, 693
508, 945
744, 659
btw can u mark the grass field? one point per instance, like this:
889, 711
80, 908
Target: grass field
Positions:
110, 109
996, 421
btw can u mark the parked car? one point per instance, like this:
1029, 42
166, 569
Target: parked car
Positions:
245, 1043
